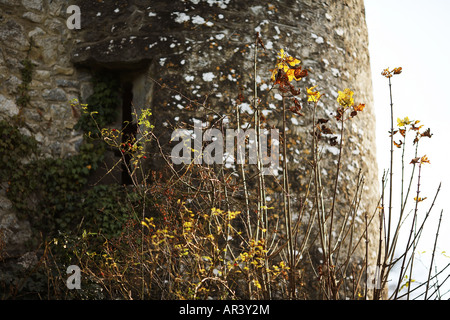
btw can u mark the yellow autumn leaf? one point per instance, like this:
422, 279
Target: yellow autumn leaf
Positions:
345, 98
359, 107
292, 61
284, 63
281, 54
397, 70
403, 122
291, 74
257, 284
386, 73
313, 96
424, 159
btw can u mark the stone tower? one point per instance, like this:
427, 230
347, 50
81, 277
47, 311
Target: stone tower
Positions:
204, 51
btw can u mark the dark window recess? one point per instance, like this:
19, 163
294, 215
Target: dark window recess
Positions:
129, 128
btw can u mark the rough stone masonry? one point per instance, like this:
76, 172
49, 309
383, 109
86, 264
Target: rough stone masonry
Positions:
204, 49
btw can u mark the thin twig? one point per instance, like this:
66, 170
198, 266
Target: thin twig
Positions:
432, 256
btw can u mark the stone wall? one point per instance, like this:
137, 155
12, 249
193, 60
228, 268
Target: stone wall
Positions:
36, 30
202, 48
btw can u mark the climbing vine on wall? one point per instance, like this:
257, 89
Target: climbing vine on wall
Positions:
102, 103
14, 147
53, 193
26, 72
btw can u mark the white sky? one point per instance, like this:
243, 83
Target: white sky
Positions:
414, 35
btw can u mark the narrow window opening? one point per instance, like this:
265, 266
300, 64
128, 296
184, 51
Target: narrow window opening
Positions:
129, 129
130, 90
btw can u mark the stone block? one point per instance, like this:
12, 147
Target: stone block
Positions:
13, 232
63, 70
12, 83
33, 4
36, 31
9, 2
42, 74
8, 106
12, 35
33, 17
57, 94
66, 83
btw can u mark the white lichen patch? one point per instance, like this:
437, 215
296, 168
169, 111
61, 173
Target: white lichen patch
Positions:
231, 77
266, 112
335, 72
208, 76
245, 107
220, 3
257, 10
316, 38
263, 87
332, 149
198, 20
339, 31
181, 17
